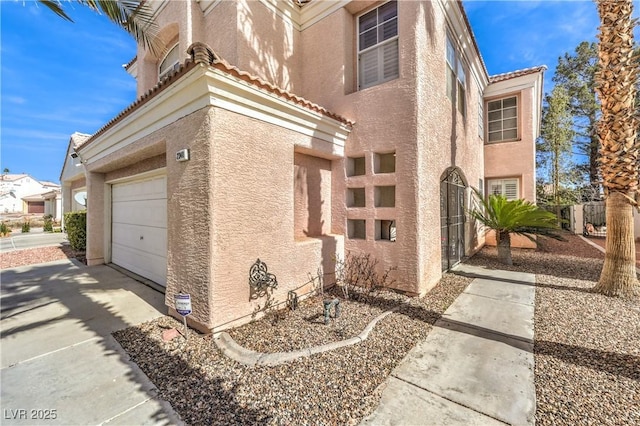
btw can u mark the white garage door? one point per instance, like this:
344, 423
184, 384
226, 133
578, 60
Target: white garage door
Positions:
139, 227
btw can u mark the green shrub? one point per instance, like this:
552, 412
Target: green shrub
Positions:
75, 224
26, 226
48, 223
4, 229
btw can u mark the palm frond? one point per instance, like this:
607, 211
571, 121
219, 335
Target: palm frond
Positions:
56, 7
134, 16
514, 216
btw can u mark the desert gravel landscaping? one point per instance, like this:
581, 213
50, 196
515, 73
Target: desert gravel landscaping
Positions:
587, 351
15, 258
587, 346
337, 387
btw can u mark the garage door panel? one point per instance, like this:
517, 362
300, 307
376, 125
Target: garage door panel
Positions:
146, 190
145, 264
139, 227
146, 239
142, 212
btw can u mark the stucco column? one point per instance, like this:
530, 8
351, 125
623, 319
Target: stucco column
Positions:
67, 198
95, 218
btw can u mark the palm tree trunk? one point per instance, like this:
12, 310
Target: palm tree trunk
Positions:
503, 242
618, 277
617, 133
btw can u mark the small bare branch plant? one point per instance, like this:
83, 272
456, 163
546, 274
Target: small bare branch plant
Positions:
358, 273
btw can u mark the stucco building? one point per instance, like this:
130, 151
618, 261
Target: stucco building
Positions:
21, 193
293, 132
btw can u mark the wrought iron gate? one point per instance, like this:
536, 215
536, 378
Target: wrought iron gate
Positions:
452, 218
595, 219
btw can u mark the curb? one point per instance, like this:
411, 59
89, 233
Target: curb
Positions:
233, 350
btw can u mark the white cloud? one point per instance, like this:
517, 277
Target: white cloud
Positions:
29, 134
18, 100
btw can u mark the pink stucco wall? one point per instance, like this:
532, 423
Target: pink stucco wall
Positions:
397, 116
312, 196
516, 159
229, 205
256, 172
256, 190
245, 33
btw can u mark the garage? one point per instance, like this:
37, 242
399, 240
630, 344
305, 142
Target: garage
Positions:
35, 207
139, 227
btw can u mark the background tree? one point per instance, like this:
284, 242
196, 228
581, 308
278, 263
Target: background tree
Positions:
576, 73
617, 80
554, 149
134, 16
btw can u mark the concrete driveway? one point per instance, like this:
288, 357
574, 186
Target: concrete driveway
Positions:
59, 363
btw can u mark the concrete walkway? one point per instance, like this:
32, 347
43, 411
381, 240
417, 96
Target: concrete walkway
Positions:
476, 365
59, 363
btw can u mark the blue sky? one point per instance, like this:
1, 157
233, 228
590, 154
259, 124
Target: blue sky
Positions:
59, 77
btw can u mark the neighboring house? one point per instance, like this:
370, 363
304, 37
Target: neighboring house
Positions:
21, 193
72, 176
295, 132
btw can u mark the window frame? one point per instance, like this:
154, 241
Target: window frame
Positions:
173, 67
488, 132
481, 118
503, 182
455, 95
378, 47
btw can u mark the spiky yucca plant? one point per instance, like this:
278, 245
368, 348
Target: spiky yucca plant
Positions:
617, 132
508, 217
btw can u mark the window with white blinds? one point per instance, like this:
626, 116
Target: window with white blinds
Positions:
506, 187
170, 62
503, 119
378, 59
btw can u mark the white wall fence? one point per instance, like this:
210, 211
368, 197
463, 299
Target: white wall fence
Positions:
578, 222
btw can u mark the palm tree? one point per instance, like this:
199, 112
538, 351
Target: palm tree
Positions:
134, 16
618, 135
508, 217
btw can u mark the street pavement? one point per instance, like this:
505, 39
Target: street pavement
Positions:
33, 239
59, 363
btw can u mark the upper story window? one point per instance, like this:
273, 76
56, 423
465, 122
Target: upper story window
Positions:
480, 115
378, 45
506, 187
170, 62
503, 119
456, 78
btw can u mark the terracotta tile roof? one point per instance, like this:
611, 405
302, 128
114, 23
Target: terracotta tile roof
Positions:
513, 74
131, 62
473, 37
78, 139
11, 177
263, 84
202, 54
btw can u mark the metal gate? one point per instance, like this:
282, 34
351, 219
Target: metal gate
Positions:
595, 219
452, 218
